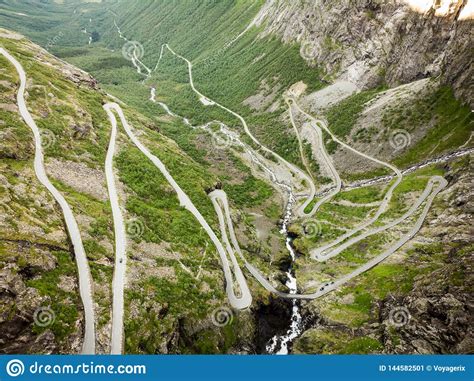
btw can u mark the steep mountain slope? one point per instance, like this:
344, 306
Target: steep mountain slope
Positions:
38, 270
375, 42
173, 276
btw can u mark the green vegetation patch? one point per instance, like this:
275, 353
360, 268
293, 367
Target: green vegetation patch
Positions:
320, 341
450, 124
343, 116
63, 303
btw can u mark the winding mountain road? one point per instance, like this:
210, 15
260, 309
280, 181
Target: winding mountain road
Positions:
323, 256
327, 161
242, 301
118, 283
321, 253
293, 168
220, 203
85, 282
228, 247
316, 123
315, 253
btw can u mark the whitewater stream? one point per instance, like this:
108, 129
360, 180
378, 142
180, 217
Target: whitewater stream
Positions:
279, 344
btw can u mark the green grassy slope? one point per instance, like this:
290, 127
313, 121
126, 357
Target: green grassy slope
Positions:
77, 131
235, 72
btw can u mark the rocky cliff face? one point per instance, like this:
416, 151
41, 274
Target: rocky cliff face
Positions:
371, 42
440, 306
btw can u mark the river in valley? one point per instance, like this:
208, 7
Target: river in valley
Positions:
280, 344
